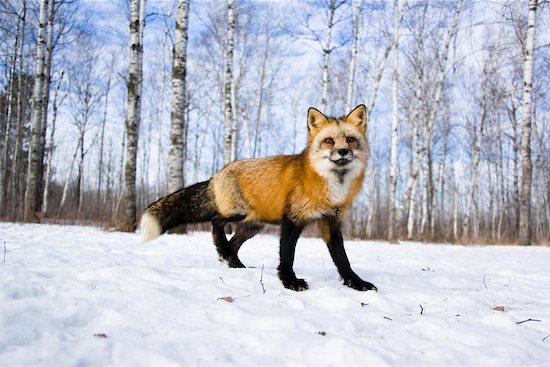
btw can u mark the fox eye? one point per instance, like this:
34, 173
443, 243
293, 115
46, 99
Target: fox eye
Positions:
329, 141
350, 139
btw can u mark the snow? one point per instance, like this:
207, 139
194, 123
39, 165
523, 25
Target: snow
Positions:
83, 296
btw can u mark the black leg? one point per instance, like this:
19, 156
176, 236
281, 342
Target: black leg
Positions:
220, 240
244, 232
290, 232
330, 230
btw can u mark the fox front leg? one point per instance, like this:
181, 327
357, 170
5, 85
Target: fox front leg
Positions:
330, 230
290, 232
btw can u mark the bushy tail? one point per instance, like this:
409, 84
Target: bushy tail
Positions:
193, 204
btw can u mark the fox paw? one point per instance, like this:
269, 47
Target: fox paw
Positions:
295, 284
360, 285
234, 262
231, 260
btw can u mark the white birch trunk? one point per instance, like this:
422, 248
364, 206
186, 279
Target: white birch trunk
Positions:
353, 60
36, 151
179, 70
133, 112
526, 164
228, 112
47, 72
327, 49
392, 237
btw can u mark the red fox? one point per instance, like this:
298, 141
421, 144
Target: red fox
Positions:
317, 185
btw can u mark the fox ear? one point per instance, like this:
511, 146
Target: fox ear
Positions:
315, 120
358, 117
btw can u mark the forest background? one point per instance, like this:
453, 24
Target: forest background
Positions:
107, 105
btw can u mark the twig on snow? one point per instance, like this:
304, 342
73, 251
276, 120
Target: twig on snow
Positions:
421, 310
546, 337
262, 279
387, 318
485, 284
5, 250
529, 319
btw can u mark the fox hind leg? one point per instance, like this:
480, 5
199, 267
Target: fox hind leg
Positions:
227, 250
244, 232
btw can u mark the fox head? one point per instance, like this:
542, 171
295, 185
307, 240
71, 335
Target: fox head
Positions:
337, 147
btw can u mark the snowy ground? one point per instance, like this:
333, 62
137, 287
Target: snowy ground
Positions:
75, 296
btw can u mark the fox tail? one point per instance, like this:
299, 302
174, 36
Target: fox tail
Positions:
193, 204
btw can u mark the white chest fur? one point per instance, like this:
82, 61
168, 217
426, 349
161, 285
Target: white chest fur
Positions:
338, 186
339, 180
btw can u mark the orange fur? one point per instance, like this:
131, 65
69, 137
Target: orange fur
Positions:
266, 189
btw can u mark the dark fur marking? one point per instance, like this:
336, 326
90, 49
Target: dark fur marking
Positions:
290, 232
228, 249
193, 204
335, 244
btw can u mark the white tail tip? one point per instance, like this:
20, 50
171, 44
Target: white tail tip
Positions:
150, 227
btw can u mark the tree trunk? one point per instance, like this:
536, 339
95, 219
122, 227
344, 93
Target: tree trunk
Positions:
178, 124
7, 127
16, 169
526, 164
133, 113
353, 61
327, 49
228, 112
392, 237
47, 73
100, 202
36, 151
51, 148
177, 117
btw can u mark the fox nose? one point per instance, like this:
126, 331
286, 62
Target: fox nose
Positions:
343, 152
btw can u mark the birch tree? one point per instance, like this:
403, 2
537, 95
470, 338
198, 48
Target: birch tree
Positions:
179, 70
393, 153
14, 186
526, 165
327, 49
353, 60
36, 152
133, 112
6, 126
228, 133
